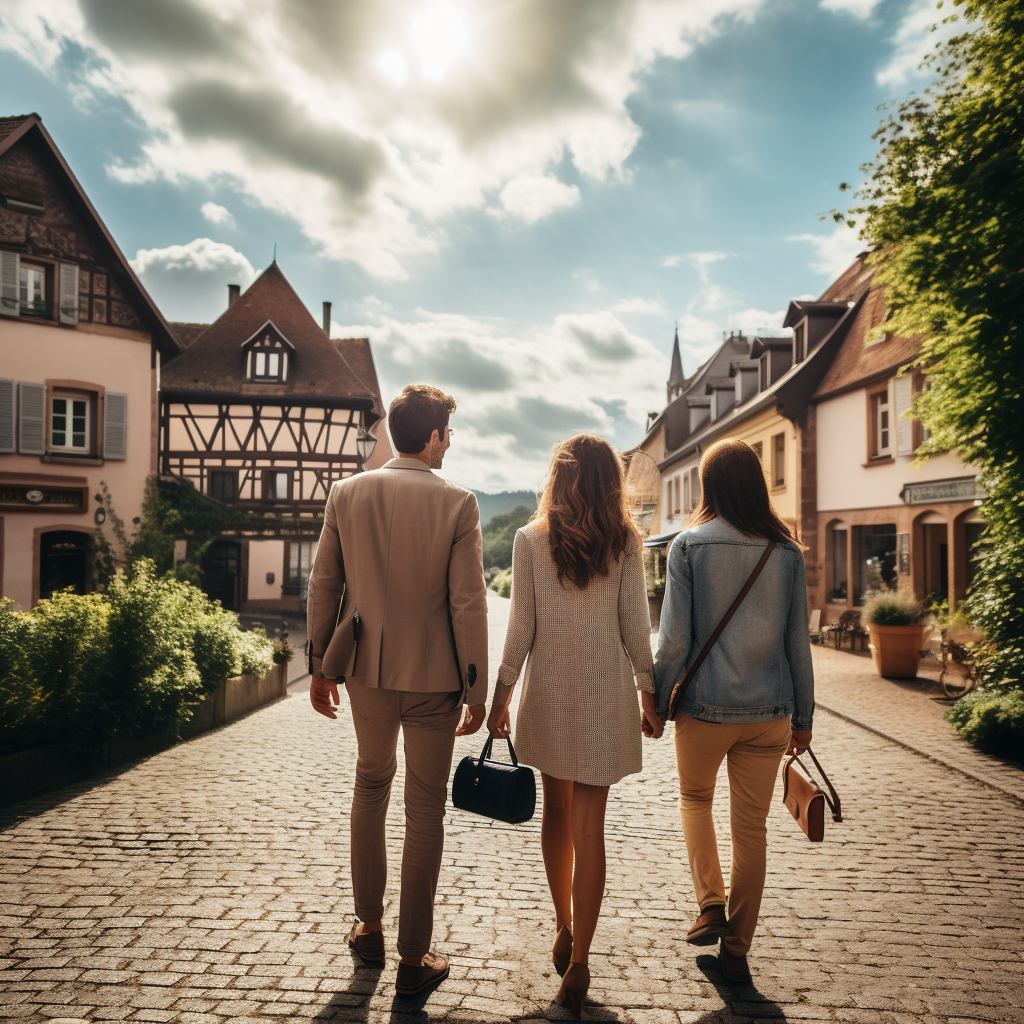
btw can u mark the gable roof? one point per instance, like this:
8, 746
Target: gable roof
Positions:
214, 364
857, 362
186, 332
356, 352
29, 127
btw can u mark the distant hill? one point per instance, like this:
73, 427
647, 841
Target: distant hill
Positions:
492, 505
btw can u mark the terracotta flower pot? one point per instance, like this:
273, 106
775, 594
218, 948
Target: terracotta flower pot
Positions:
896, 650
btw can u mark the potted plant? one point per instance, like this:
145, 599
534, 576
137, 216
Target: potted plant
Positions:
895, 620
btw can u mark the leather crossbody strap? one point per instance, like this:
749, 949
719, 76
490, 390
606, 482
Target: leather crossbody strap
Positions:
833, 805
680, 688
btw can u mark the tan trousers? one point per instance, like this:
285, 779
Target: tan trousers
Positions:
754, 752
428, 722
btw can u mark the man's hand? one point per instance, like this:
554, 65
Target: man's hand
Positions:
650, 724
472, 719
323, 695
800, 741
498, 722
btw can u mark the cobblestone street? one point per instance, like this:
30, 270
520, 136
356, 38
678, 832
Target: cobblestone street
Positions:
210, 882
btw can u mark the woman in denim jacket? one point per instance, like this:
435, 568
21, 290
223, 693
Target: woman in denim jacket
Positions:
751, 700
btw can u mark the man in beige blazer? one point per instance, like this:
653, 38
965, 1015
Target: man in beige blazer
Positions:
397, 609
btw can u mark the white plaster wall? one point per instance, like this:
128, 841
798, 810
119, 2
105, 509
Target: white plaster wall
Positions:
265, 556
844, 481
36, 352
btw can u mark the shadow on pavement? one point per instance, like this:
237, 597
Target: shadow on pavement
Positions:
742, 1002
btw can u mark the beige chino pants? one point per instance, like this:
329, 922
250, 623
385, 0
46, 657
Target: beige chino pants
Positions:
428, 722
753, 753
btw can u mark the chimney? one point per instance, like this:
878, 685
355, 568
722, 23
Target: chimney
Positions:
327, 319
234, 290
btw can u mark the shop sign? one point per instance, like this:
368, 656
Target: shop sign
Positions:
964, 489
37, 497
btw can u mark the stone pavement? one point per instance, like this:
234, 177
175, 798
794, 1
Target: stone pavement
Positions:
210, 883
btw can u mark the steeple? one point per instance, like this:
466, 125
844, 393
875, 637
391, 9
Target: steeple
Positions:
676, 379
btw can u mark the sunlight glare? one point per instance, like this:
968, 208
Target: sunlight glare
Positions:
394, 65
439, 37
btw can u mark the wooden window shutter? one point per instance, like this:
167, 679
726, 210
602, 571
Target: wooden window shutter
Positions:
31, 419
115, 425
9, 266
68, 293
7, 415
903, 393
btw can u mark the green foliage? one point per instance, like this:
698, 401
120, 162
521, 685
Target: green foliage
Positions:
993, 720
283, 651
499, 535
943, 212
501, 584
80, 669
892, 608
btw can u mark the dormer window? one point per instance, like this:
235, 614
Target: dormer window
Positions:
267, 356
799, 342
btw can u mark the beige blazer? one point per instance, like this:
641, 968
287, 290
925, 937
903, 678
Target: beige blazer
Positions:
402, 547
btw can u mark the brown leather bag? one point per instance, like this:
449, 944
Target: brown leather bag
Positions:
805, 798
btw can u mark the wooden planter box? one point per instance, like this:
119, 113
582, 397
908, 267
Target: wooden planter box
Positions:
896, 650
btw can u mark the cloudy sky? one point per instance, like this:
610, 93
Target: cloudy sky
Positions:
515, 199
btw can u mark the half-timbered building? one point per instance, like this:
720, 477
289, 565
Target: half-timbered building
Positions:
263, 412
81, 344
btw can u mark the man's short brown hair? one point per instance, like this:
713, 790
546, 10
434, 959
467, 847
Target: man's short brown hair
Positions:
415, 414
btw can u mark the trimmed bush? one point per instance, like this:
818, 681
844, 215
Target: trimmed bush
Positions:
993, 720
78, 670
501, 584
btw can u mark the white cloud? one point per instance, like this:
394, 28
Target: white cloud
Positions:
519, 393
533, 196
861, 9
190, 281
638, 306
363, 123
217, 214
833, 253
913, 41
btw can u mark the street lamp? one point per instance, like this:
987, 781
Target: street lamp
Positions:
365, 443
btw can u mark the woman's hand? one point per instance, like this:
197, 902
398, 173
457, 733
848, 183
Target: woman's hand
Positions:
498, 723
650, 724
800, 741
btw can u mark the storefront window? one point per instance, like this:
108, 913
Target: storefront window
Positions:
837, 592
875, 556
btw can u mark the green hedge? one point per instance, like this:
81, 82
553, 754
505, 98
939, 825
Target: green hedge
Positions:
79, 669
993, 720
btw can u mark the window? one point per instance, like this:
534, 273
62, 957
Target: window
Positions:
763, 381
686, 493
224, 484
779, 460
881, 430
298, 562
668, 500
875, 556
800, 342
268, 361
32, 290
277, 485
840, 575
69, 424
695, 487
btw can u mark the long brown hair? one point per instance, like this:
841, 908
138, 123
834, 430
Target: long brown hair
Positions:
733, 489
584, 507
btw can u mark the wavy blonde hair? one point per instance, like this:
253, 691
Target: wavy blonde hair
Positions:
583, 506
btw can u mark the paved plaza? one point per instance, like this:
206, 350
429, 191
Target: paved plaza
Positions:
210, 883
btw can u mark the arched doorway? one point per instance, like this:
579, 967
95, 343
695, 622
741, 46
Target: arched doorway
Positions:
63, 561
934, 550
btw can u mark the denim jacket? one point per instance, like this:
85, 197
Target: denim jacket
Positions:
760, 669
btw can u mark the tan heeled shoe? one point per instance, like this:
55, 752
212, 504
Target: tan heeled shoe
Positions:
575, 985
561, 951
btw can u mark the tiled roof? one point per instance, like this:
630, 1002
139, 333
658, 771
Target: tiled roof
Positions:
187, 333
215, 364
356, 352
12, 124
857, 360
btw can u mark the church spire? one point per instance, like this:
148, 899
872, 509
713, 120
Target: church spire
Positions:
676, 379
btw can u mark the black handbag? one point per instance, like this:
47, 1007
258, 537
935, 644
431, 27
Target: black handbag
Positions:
494, 789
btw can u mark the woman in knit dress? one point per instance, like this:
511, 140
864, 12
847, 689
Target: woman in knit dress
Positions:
579, 620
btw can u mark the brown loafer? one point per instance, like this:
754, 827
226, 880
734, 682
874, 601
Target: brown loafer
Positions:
709, 927
370, 946
413, 978
734, 968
